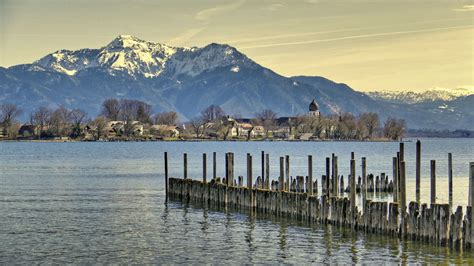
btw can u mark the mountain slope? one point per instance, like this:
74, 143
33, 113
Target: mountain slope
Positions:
189, 79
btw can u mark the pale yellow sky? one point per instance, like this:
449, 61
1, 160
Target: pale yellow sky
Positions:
368, 44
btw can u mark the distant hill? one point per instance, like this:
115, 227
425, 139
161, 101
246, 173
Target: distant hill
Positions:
189, 79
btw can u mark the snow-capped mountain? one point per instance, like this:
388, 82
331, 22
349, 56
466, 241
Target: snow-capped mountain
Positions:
139, 58
437, 94
187, 80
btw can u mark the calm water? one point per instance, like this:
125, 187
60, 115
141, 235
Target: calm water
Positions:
104, 202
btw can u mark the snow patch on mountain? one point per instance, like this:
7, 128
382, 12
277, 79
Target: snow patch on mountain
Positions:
138, 58
436, 94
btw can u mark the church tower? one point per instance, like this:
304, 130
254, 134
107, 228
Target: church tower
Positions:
313, 109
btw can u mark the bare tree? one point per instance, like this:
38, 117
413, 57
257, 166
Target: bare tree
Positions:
111, 109
98, 126
267, 118
8, 115
198, 125
166, 118
78, 117
60, 120
41, 118
394, 129
212, 112
369, 121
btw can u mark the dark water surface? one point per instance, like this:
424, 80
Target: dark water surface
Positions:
104, 202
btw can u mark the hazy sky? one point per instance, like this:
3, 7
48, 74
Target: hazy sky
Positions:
368, 44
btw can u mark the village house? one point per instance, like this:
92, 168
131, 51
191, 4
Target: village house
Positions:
166, 130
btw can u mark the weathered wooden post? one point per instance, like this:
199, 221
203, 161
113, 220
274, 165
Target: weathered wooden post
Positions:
204, 168
353, 186
214, 165
352, 156
249, 171
471, 198
267, 171
403, 199
263, 166
166, 175
364, 180
335, 180
331, 178
326, 183
395, 179
231, 168
433, 182
450, 179
418, 169
282, 174
185, 165
227, 174
287, 173
310, 175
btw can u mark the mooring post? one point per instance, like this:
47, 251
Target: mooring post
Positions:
282, 174
204, 168
214, 165
310, 175
267, 172
287, 173
227, 169
185, 165
352, 156
450, 179
471, 198
395, 180
336, 178
353, 186
326, 183
433, 182
332, 176
403, 199
249, 171
263, 168
418, 169
166, 175
231, 166
364, 180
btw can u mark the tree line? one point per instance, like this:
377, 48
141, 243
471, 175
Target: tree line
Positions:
212, 122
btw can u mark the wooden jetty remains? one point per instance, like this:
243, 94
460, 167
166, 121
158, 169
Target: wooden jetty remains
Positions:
298, 198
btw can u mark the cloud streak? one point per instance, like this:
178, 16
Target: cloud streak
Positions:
206, 14
361, 36
465, 8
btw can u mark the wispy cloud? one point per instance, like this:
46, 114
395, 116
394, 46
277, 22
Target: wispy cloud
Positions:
206, 14
352, 37
465, 8
186, 36
312, 33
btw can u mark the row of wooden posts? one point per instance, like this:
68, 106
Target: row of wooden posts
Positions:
414, 223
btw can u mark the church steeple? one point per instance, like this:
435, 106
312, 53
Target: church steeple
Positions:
313, 108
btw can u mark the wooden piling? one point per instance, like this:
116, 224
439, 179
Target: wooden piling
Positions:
335, 180
395, 180
310, 175
418, 170
282, 174
364, 180
450, 179
166, 175
263, 165
471, 198
267, 171
433, 182
249, 171
353, 185
287, 173
204, 168
214, 165
185, 165
325, 185
403, 199
227, 171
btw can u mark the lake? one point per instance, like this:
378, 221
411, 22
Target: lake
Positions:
104, 203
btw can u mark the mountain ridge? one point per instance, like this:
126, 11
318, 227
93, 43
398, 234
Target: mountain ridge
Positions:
187, 80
